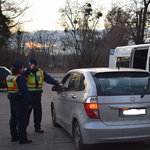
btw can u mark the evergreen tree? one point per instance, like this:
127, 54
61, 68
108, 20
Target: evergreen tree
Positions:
4, 29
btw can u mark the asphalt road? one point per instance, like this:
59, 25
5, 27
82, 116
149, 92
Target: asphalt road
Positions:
53, 138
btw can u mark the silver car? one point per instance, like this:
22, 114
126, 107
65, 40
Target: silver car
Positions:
101, 105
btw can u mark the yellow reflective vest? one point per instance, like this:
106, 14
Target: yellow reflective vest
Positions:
31, 82
12, 84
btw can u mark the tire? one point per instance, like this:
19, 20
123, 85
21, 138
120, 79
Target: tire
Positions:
55, 124
77, 137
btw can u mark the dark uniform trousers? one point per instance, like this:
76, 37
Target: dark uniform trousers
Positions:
37, 110
18, 118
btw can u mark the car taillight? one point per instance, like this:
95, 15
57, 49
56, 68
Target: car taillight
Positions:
91, 107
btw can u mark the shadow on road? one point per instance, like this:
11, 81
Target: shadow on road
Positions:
122, 146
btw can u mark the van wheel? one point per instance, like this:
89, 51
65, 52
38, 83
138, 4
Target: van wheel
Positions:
77, 137
55, 124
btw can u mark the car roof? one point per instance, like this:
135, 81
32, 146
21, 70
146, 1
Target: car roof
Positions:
5, 68
102, 70
2, 67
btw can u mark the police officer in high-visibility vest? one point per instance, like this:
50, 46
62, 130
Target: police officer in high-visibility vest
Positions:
20, 102
35, 81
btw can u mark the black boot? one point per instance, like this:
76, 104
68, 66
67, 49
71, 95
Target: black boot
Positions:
24, 141
39, 130
14, 138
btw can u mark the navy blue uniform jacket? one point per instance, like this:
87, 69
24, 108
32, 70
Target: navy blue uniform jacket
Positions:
23, 89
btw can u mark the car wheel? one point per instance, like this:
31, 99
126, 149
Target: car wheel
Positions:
55, 124
77, 137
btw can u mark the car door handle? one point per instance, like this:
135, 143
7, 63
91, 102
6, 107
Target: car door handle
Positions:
73, 96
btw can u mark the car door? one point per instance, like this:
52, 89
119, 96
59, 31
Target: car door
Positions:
59, 101
72, 97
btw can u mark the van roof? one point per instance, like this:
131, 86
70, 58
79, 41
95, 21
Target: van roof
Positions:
134, 46
126, 50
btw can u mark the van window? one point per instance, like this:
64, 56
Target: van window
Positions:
122, 83
140, 59
123, 62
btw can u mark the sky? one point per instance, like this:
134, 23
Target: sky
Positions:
44, 13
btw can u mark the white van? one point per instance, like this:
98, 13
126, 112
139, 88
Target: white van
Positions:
133, 56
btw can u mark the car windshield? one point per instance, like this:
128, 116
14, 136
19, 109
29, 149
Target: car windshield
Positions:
122, 83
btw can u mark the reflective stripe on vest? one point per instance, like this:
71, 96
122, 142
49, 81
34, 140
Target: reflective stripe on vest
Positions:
11, 83
31, 81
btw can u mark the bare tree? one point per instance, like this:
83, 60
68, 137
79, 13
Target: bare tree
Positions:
11, 13
80, 23
18, 41
132, 18
45, 47
15, 10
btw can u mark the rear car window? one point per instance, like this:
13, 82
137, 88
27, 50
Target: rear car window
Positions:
122, 83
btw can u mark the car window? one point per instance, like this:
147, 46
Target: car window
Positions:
82, 83
122, 83
3, 72
74, 82
66, 80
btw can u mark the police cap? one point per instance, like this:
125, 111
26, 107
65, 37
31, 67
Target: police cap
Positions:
32, 61
18, 64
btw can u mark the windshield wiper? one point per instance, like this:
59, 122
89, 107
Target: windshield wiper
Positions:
146, 88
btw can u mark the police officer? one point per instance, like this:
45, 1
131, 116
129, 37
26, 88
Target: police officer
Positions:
35, 80
20, 101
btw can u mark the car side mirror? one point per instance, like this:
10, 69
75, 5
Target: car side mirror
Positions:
54, 88
57, 88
